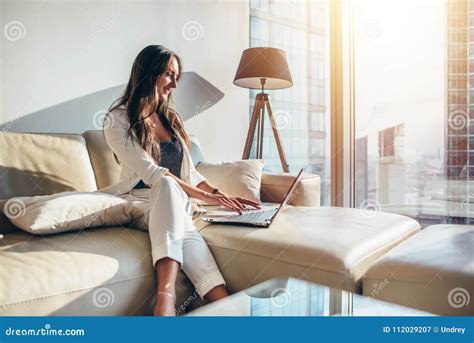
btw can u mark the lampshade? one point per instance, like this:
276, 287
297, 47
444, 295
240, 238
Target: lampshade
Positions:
268, 63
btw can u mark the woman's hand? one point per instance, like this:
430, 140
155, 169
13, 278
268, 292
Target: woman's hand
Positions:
231, 202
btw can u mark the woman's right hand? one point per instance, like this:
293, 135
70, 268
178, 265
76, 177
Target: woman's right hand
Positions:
233, 203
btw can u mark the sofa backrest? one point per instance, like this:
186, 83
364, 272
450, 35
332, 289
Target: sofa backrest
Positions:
42, 163
106, 168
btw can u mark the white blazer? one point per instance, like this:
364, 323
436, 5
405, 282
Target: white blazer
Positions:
136, 163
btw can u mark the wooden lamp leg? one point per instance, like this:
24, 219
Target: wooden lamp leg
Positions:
258, 116
261, 121
251, 133
258, 140
276, 135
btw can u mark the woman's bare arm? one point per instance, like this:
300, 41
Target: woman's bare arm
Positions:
206, 186
203, 192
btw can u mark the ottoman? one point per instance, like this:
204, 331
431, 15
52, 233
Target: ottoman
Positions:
333, 246
431, 271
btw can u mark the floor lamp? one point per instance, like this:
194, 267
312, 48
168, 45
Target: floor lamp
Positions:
263, 68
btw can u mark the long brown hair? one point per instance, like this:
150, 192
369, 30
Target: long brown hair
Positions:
142, 100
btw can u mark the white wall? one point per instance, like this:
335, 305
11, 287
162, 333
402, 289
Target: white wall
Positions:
70, 55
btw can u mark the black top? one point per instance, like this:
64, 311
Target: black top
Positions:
171, 158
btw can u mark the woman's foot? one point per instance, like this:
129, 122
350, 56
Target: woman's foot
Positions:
165, 304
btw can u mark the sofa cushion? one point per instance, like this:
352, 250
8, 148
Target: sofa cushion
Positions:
238, 178
102, 271
68, 211
432, 271
333, 246
37, 164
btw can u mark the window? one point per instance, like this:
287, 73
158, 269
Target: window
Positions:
413, 116
302, 111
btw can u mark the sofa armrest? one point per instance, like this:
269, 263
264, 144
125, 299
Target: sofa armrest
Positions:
275, 186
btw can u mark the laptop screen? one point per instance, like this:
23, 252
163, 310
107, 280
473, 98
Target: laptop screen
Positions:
291, 189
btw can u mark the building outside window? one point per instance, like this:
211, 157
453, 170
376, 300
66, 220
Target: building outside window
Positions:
301, 112
414, 114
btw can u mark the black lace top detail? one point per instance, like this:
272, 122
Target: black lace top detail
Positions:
171, 158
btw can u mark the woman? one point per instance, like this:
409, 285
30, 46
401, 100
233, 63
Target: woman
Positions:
149, 140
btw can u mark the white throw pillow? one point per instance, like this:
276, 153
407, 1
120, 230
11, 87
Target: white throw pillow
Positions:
67, 211
238, 178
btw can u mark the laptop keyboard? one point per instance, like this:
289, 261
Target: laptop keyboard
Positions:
254, 215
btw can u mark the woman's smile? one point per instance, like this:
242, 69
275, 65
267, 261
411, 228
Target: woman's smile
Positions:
166, 91
167, 82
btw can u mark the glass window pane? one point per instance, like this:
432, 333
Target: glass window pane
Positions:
414, 90
301, 112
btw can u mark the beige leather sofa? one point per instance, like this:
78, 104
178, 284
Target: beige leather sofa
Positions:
100, 271
108, 271
333, 246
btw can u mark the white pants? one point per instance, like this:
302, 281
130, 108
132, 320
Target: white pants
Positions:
165, 212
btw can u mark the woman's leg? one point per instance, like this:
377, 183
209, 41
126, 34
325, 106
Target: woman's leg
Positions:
200, 266
216, 293
175, 242
168, 209
166, 272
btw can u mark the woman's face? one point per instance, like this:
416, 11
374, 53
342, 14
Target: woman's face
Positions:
168, 80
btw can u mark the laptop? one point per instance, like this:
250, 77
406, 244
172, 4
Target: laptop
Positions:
256, 218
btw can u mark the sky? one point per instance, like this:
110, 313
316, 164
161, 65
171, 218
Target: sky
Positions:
400, 72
